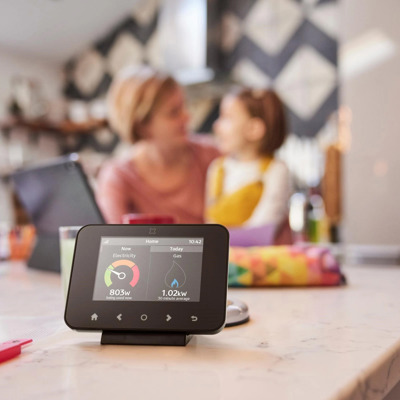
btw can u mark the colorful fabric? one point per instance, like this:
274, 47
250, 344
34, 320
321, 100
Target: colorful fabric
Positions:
283, 266
232, 210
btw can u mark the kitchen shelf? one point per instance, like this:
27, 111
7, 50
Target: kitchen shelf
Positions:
42, 125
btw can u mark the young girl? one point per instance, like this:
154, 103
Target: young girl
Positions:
248, 187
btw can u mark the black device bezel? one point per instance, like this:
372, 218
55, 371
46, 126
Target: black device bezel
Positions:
209, 312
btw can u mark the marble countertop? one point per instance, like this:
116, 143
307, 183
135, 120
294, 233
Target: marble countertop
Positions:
310, 343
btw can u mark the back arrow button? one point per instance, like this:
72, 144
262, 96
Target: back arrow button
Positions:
119, 317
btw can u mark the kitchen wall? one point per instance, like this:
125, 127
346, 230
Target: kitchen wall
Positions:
291, 46
372, 167
19, 146
49, 75
133, 40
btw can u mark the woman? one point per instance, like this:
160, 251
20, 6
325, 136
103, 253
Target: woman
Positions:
165, 170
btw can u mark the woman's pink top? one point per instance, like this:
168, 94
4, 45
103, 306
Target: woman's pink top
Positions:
122, 190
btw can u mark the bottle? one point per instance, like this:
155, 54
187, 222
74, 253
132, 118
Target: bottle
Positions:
315, 217
298, 216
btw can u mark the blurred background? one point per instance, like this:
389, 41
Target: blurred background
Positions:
335, 64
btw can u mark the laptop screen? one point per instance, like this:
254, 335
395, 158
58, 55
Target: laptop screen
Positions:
54, 195
57, 194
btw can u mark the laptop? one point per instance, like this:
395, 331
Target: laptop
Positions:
55, 194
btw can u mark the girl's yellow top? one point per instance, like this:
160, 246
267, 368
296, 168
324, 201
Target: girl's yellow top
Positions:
233, 209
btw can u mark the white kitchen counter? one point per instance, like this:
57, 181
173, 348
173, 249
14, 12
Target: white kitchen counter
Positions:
311, 343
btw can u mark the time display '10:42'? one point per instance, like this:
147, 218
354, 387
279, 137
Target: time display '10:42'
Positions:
196, 241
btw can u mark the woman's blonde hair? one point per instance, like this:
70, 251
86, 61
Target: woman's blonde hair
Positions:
266, 105
134, 96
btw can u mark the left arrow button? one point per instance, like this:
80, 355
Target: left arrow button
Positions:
119, 317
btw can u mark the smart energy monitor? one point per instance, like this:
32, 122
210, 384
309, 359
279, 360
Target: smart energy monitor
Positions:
149, 279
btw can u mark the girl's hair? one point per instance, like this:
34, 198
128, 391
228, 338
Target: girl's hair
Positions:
266, 105
134, 97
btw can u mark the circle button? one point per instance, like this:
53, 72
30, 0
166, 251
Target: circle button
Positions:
143, 317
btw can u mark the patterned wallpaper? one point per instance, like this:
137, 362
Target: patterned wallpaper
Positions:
290, 45
132, 41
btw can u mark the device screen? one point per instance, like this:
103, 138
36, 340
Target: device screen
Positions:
149, 269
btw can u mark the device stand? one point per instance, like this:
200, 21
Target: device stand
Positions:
145, 338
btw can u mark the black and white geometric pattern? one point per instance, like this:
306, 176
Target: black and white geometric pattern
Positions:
288, 45
88, 76
133, 41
